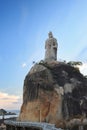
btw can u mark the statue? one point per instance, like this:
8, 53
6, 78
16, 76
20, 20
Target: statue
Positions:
51, 48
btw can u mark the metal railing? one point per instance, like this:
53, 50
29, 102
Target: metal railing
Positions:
44, 126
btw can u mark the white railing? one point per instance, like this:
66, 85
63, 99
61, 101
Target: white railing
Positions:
44, 126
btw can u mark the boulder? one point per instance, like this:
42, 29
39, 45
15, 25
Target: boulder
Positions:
54, 93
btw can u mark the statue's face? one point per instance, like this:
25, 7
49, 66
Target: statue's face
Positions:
50, 35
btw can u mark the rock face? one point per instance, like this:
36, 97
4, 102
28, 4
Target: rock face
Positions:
54, 93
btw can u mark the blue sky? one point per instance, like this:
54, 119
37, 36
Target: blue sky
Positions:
24, 27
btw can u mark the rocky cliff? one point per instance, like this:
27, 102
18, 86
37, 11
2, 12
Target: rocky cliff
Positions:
54, 93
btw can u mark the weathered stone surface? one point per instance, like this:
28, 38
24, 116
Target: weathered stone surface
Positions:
55, 94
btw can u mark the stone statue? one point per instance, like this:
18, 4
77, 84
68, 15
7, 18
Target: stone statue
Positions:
51, 48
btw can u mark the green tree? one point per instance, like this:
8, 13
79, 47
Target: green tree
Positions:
74, 63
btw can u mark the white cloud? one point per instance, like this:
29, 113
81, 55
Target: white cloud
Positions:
24, 65
83, 68
8, 101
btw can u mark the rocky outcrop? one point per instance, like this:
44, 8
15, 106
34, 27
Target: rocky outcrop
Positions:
54, 93
4, 112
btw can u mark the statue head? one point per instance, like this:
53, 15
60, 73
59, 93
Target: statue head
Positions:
50, 35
